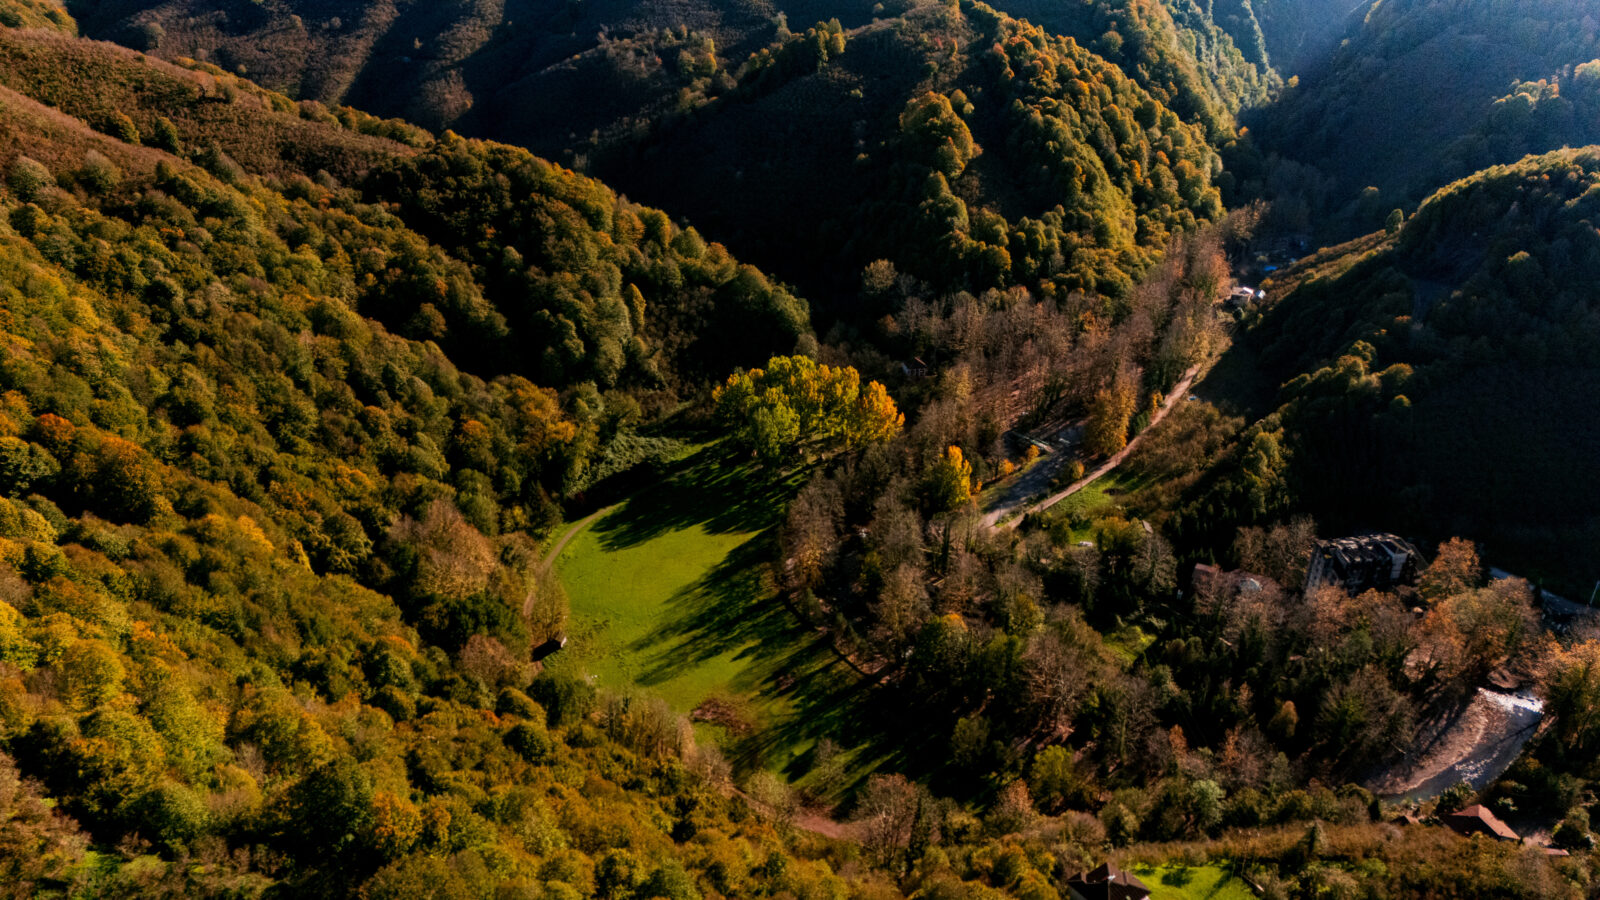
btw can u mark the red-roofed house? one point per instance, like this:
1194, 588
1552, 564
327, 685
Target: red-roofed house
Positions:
1477, 819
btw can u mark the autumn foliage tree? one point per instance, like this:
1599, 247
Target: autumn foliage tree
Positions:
949, 481
795, 404
1466, 636
933, 130
1110, 414
1455, 570
1570, 680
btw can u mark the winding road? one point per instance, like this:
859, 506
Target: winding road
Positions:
1014, 507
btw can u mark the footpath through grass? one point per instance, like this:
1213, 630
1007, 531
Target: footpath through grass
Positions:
671, 592
1173, 882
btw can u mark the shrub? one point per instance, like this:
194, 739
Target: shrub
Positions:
29, 178
566, 700
97, 174
531, 741
122, 128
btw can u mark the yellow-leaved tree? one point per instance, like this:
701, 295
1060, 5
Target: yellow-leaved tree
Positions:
1110, 414
795, 404
949, 484
1571, 685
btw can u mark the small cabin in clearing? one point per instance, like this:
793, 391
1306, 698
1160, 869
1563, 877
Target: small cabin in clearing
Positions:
549, 647
915, 368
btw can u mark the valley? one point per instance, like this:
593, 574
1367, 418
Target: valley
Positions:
799, 449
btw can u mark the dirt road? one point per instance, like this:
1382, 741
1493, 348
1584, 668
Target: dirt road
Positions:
1014, 506
560, 545
572, 532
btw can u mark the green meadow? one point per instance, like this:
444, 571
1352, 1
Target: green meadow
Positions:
1174, 882
672, 593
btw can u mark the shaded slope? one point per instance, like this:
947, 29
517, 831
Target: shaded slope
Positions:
1391, 107
1015, 158
784, 141
432, 62
560, 279
446, 63
1442, 381
1295, 33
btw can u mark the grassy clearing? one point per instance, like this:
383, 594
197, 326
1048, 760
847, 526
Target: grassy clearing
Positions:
1099, 499
671, 592
1129, 642
1192, 883
627, 603
1093, 499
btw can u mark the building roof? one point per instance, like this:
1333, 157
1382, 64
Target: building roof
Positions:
1366, 548
1236, 581
1477, 819
1362, 561
1107, 883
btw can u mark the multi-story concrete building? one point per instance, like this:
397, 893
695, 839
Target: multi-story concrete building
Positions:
1360, 563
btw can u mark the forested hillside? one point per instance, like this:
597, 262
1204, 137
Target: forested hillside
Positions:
1016, 158
310, 419
1425, 92
1441, 379
465, 64
674, 102
677, 105
572, 272
1193, 63
269, 570
1296, 33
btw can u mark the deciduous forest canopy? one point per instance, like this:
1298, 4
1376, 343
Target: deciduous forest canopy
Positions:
798, 448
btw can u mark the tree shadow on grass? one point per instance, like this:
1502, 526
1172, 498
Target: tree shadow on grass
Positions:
883, 733
717, 488
734, 609
725, 609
